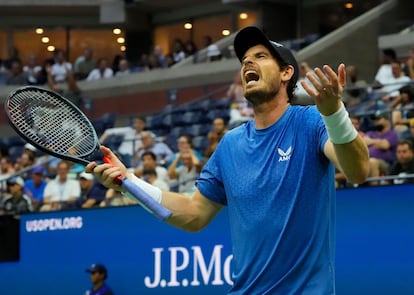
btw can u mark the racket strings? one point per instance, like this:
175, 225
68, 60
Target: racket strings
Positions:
52, 123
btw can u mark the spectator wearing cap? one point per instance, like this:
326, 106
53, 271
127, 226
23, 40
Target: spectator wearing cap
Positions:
98, 276
35, 186
17, 202
382, 143
92, 192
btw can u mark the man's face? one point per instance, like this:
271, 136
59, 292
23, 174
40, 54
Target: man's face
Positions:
404, 153
148, 161
261, 77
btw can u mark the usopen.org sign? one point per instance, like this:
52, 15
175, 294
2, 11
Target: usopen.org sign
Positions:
181, 261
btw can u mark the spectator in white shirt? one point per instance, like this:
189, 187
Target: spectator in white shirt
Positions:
103, 71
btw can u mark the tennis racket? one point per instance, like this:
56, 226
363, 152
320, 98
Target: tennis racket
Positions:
57, 127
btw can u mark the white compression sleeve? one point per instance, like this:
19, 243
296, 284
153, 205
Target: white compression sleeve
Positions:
339, 126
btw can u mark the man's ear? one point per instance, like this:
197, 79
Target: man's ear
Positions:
287, 73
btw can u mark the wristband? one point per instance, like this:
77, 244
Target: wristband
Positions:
152, 191
339, 126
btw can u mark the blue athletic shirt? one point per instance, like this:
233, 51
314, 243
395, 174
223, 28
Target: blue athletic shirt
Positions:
280, 191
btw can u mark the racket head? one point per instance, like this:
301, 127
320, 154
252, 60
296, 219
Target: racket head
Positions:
53, 124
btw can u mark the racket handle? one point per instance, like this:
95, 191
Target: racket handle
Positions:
117, 180
145, 200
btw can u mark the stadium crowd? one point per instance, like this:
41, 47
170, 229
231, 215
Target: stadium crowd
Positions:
382, 111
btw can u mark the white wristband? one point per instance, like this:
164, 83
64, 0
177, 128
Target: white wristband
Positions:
339, 126
152, 191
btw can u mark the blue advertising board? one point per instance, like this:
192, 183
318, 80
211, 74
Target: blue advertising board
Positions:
375, 249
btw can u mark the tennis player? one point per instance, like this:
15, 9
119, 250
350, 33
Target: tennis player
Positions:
275, 174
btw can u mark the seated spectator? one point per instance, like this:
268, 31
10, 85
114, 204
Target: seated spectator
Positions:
103, 71
410, 64
33, 71
61, 192
178, 53
404, 163
92, 192
301, 96
131, 138
150, 176
123, 69
356, 89
384, 71
149, 161
84, 64
241, 110
184, 143
17, 202
382, 143
162, 151
403, 108
186, 174
35, 186
214, 136
213, 53
390, 88
15, 75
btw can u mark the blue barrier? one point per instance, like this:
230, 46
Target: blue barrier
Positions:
375, 242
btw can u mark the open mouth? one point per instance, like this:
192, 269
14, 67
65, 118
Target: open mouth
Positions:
251, 76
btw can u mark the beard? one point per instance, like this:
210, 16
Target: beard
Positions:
261, 96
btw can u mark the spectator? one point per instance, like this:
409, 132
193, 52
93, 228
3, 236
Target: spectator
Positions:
214, 136
84, 64
184, 143
402, 108
149, 161
213, 53
392, 85
158, 53
150, 176
410, 64
381, 143
301, 96
16, 76
241, 110
92, 193
103, 71
18, 202
178, 52
98, 276
60, 76
61, 68
384, 71
356, 89
160, 149
35, 186
404, 163
123, 68
191, 50
187, 174
61, 192
131, 138
33, 71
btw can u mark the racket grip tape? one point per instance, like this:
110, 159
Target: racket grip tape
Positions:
145, 200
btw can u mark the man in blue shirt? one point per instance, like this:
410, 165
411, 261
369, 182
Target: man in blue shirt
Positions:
99, 274
275, 174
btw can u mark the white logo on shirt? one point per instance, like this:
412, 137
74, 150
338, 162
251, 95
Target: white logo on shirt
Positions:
284, 156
